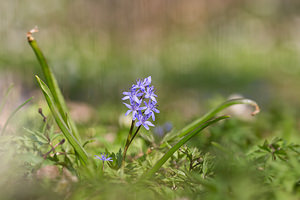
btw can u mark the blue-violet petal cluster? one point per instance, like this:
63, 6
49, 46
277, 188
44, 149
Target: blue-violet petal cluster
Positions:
142, 102
104, 158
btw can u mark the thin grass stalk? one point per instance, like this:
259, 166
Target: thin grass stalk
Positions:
13, 113
4, 99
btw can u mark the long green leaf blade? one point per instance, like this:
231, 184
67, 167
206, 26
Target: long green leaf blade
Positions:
215, 111
52, 83
181, 142
82, 154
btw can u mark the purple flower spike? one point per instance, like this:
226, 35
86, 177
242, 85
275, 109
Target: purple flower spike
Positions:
140, 109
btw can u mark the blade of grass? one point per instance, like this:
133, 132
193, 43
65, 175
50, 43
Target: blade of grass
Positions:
216, 110
13, 113
79, 150
181, 142
5, 97
52, 83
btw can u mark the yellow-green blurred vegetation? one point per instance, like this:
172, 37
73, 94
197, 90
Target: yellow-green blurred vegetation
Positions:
192, 48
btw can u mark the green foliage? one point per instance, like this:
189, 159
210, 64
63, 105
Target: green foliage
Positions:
52, 84
178, 168
185, 139
117, 160
234, 160
263, 169
66, 129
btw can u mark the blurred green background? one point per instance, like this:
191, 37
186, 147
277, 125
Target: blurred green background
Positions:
194, 50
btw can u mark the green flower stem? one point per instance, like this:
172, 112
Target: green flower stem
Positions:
52, 83
216, 110
181, 142
128, 141
137, 130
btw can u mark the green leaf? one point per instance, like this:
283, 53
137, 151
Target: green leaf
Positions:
216, 110
119, 157
220, 147
52, 84
83, 156
87, 142
181, 142
117, 160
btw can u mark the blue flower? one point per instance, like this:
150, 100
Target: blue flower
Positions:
147, 81
142, 84
132, 95
140, 109
150, 109
143, 121
150, 94
161, 131
133, 107
104, 158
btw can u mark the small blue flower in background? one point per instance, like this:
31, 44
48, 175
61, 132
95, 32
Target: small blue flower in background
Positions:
168, 127
161, 131
142, 110
104, 158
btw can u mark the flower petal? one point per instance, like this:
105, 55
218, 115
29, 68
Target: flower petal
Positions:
149, 123
128, 112
146, 126
127, 105
126, 97
138, 123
